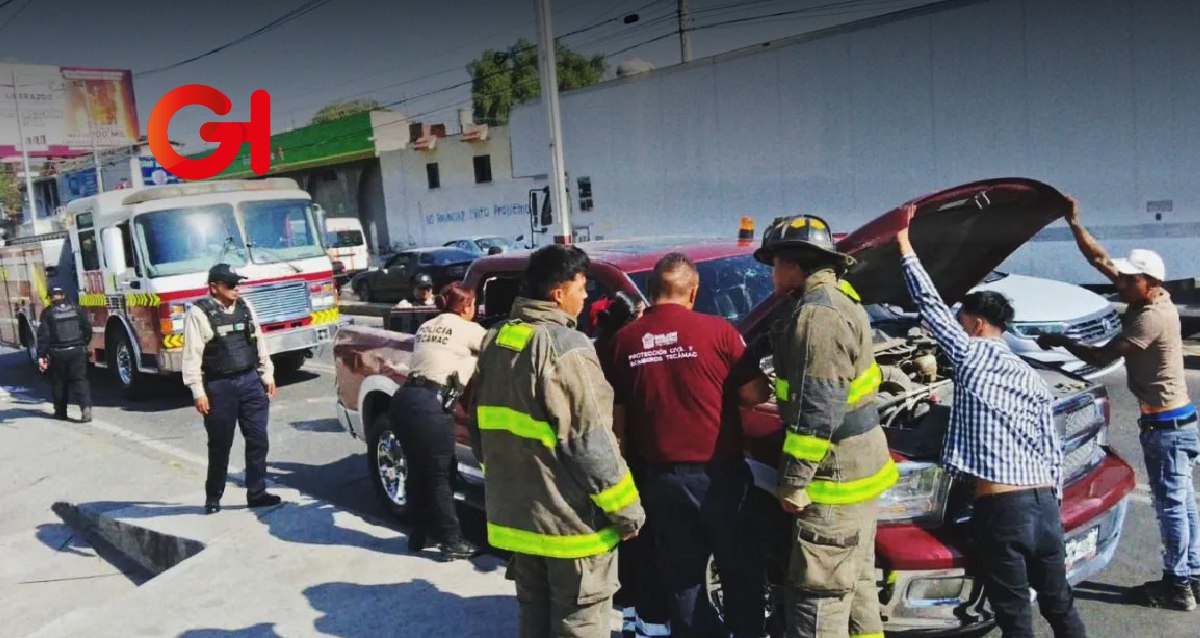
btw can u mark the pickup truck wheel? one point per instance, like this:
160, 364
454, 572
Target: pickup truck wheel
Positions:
772, 599
388, 465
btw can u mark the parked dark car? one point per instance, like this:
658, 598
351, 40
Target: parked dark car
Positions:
394, 281
483, 246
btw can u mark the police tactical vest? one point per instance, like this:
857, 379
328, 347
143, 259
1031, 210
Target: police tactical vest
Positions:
64, 326
233, 348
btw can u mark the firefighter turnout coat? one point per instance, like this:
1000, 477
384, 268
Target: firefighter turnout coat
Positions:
556, 484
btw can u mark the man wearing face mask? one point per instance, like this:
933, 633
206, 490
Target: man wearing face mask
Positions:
1001, 436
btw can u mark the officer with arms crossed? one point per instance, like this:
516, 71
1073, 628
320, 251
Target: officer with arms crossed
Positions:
559, 496
1151, 341
63, 334
228, 369
835, 460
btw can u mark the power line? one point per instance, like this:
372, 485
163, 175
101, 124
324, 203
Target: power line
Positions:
303, 9
15, 14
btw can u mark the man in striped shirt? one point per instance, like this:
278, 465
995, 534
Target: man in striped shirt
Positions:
1002, 436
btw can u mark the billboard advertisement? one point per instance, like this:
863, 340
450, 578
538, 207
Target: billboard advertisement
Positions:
65, 111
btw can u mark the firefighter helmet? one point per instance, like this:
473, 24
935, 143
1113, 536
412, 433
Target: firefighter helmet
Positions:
802, 232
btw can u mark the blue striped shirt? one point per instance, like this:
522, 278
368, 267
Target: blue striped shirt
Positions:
1002, 420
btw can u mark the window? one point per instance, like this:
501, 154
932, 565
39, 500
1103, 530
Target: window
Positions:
131, 259
89, 254
434, 176
730, 287
280, 231
497, 296
186, 240
585, 194
343, 238
483, 169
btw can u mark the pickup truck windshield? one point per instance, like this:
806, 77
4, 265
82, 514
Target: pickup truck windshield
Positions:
283, 228
185, 240
730, 287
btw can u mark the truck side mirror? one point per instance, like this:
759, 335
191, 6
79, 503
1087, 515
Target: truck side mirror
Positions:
114, 251
542, 215
547, 217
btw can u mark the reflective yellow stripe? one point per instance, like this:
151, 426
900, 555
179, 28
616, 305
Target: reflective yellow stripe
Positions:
576, 546
876, 635
493, 417
783, 389
865, 385
851, 492
514, 336
848, 290
617, 497
805, 447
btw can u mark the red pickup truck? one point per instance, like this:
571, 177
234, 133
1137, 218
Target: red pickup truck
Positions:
924, 576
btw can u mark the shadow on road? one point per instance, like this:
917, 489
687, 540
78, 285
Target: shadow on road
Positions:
318, 425
1109, 594
261, 630
415, 608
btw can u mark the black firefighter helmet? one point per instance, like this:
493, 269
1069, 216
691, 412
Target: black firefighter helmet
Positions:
802, 232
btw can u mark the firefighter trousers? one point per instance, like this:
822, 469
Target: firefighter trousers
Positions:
564, 598
68, 371
831, 589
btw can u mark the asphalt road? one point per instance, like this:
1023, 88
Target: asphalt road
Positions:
310, 452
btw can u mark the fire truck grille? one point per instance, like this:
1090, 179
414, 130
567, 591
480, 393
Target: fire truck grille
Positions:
279, 302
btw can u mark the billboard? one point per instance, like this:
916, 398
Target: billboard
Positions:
65, 111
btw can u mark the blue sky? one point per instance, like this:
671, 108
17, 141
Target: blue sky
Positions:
389, 50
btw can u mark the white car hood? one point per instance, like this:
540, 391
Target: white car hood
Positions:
1036, 299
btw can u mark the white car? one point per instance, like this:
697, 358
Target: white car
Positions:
1046, 306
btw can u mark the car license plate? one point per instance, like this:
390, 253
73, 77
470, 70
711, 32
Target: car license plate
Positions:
1082, 548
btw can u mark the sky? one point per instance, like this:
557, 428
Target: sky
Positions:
394, 51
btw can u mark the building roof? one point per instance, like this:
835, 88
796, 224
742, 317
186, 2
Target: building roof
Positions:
346, 139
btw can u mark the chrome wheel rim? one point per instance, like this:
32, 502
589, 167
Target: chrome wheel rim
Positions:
391, 468
125, 364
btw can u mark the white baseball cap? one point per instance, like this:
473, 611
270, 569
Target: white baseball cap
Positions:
1142, 262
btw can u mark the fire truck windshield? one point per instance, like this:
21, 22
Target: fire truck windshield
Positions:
283, 229
187, 240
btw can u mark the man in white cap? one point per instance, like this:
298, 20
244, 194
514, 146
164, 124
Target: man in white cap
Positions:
1152, 343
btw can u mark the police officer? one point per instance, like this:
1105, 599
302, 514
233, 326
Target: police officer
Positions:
835, 460
228, 368
63, 335
422, 295
443, 361
559, 496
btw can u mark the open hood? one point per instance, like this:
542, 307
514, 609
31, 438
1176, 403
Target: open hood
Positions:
960, 234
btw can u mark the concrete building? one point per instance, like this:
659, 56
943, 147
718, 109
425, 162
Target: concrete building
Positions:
439, 187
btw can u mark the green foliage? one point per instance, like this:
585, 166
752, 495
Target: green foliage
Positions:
502, 79
342, 108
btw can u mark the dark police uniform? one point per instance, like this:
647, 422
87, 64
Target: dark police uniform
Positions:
63, 335
233, 370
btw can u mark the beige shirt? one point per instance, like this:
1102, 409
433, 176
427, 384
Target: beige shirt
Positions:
197, 332
1155, 372
446, 344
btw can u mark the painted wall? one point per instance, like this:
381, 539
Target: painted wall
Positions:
420, 216
1096, 97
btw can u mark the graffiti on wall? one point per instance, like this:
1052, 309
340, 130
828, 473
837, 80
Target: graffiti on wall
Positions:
477, 213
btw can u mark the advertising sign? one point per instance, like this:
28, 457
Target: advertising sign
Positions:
65, 111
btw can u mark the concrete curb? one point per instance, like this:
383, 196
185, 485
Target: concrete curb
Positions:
364, 309
154, 551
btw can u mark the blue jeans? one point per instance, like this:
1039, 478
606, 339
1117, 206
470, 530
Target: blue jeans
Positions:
1170, 456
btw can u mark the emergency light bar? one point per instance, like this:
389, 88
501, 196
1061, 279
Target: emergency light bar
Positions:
207, 188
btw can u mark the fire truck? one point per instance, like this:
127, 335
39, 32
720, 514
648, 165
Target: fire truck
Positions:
136, 259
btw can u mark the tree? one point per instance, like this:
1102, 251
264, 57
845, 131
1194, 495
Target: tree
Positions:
502, 79
10, 194
343, 108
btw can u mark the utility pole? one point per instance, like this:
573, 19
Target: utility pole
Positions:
25, 157
685, 33
548, 61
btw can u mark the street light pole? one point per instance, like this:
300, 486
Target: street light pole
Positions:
685, 33
25, 157
548, 61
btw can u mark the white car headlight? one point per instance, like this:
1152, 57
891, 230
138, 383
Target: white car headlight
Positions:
1034, 330
919, 497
